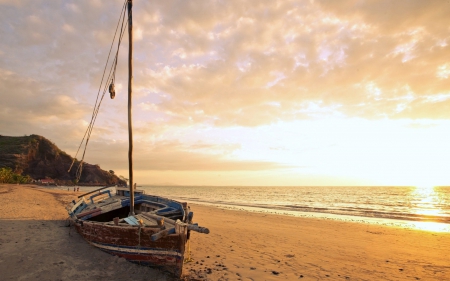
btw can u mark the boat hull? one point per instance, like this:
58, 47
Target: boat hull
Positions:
135, 244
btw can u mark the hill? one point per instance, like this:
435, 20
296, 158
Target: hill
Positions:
39, 158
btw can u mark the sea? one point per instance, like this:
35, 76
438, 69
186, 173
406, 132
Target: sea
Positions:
425, 208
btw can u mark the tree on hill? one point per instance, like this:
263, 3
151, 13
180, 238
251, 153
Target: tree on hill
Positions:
40, 158
8, 176
124, 179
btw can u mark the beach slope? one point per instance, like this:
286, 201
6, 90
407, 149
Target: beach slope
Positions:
256, 246
35, 244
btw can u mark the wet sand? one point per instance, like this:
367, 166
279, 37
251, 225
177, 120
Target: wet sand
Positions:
35, 244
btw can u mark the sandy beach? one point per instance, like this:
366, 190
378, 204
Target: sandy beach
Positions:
35, 244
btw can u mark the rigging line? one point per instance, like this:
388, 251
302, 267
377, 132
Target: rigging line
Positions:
97, 108
106, 65
118, 47
110, 77
89, 129
110, 49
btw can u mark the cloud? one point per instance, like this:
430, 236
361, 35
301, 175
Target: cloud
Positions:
174, 156
322, 54
36, 100
218, 65
228, 63
391, 17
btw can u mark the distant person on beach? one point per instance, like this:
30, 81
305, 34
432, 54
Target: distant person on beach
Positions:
74, 189
67, 189
78, 189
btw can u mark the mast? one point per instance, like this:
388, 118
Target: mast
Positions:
130, 87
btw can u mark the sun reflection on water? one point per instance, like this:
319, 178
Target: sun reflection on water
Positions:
427, 203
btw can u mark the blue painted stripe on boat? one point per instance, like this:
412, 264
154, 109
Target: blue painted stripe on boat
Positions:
80, 208
175, 205
131, 247
131, 220
100, 193
137, 200
150, 254
167, 209
90, 216
137, 250
165, 204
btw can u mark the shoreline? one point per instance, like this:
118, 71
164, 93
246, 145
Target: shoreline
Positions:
402, 206
388, 222
242, 245
424, 225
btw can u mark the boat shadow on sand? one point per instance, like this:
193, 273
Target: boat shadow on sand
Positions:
50, 250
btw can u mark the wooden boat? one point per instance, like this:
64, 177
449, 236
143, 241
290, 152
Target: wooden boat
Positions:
155, 235
145, 229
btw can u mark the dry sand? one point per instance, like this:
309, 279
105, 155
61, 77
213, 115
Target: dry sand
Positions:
36, 245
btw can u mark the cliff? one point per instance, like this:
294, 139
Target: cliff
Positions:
39, 158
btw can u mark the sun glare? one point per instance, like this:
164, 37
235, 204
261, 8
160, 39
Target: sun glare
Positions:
426, 201
431, 226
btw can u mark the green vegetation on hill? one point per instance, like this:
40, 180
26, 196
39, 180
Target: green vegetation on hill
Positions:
35, 157
8, 176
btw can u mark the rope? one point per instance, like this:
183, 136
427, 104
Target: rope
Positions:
98, 101
101, 82
118, 46
189, 259
139, 233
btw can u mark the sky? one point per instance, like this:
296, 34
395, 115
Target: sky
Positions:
238, 92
